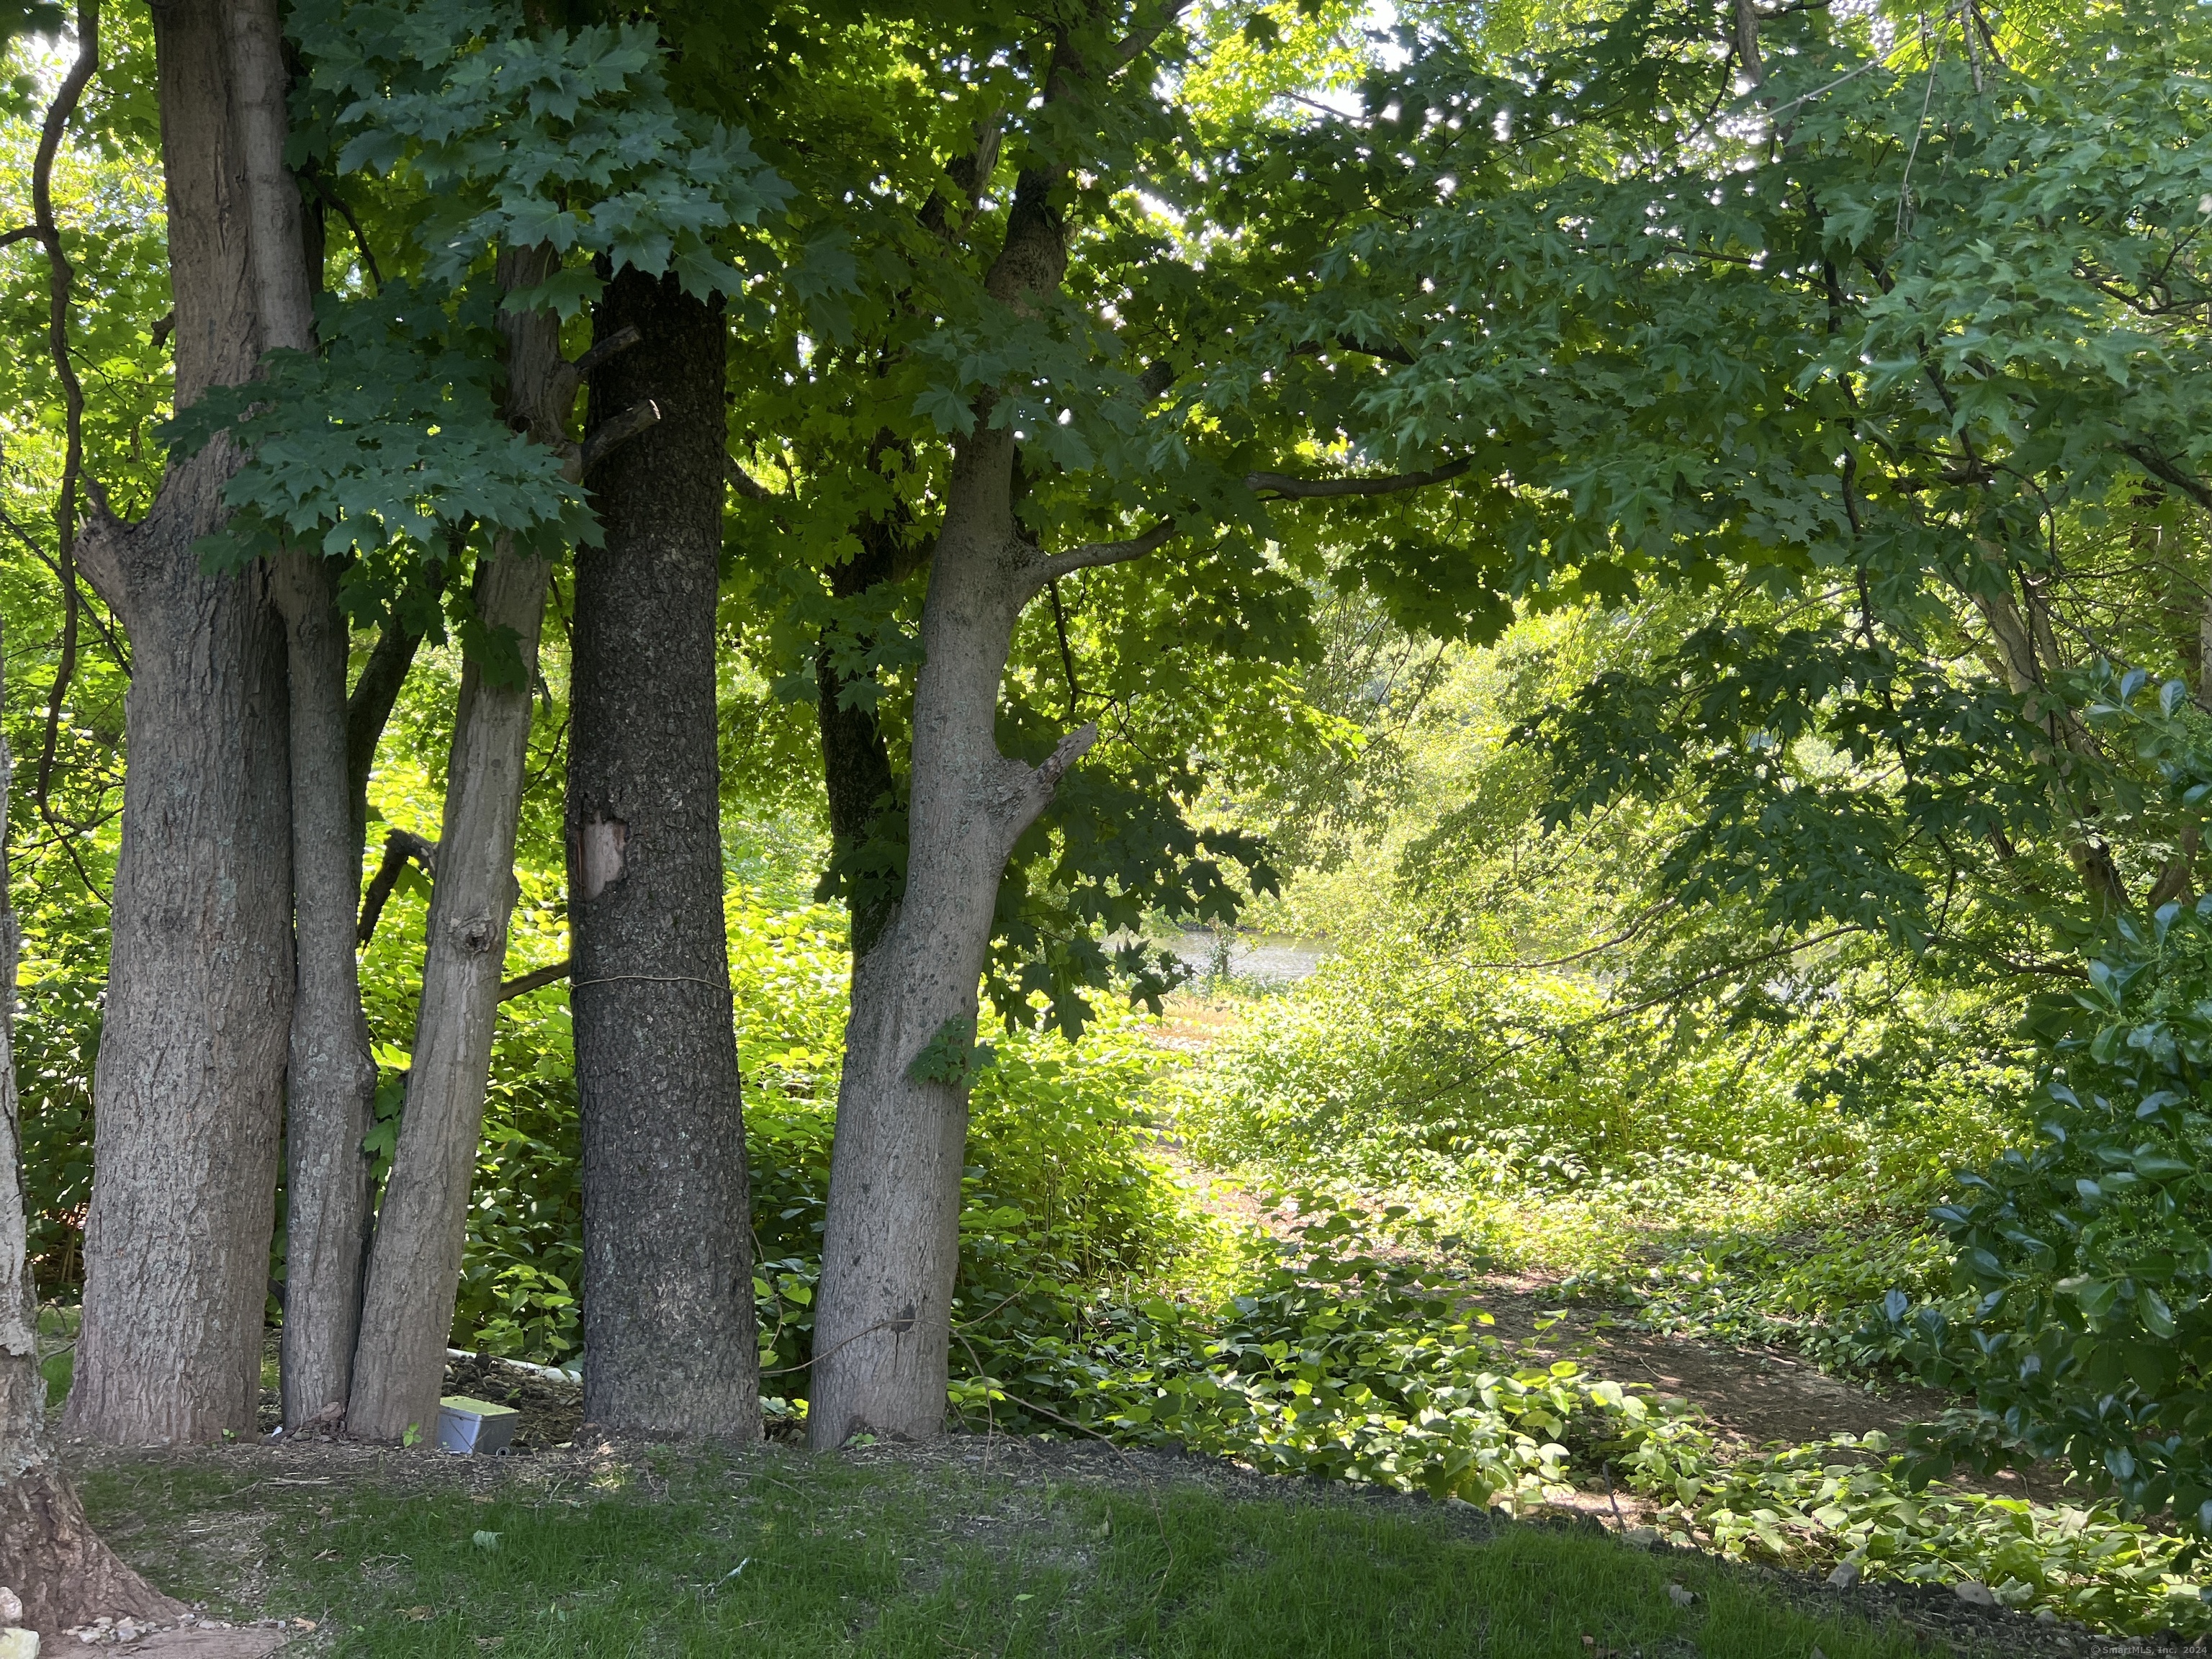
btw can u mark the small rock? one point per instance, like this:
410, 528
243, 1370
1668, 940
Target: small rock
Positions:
1974, 1594
1817, 1654
1846, 1575
2045, 1616
1456, 1499
18, 1644
1643, 1537
11, 1607
1679, 1596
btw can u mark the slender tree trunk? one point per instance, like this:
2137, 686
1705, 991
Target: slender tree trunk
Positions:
331, 1098
189, 1081
331, 1082
415, 1267
49, 1555
669, 1322
422, 1228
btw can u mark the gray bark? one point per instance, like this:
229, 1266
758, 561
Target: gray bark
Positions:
669, 1320
422, 1228
891, 1245
331, 1083
49, 1555
189, 1080
331, 1096
415, 1267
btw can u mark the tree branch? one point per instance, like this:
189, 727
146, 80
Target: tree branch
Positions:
2159, 467
1283, 487
745, 483
568, 378
399, 845
59, 278
638, 417
536, 979
1091, 555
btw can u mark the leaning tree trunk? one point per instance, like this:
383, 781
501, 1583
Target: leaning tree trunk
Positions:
49, 1555
415, 1265
422, 1228
189, 1082
668, 1292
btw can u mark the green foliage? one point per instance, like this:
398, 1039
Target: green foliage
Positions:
952, 1057
2083, 1259
1848, 1500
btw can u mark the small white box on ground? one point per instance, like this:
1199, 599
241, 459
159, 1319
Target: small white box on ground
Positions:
467, 1426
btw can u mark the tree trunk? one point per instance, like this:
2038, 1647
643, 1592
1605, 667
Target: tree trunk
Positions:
890, 1248
192, 1061
331, 1098
415, 1264
669, 1323
49, 1555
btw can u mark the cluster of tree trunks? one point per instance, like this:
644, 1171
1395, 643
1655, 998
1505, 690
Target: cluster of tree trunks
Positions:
234, 1022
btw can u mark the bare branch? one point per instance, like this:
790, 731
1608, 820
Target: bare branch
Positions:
1091, 555
638, 417
1389, 351
569, 377
600, 350
59, 278
1282, 486
745, 483
21, 234
536, 979
2159, 467
359, 236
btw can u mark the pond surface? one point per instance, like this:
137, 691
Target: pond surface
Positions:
1267, 958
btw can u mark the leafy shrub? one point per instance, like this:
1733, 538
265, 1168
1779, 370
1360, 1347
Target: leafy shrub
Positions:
1849, 1499
2083, 1264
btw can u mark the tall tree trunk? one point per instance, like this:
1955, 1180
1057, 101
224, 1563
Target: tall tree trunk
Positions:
415, 1265
422, 1228
49, 1555
890, 1247
330, 1098
669, 1320
331, 1083
189, 1082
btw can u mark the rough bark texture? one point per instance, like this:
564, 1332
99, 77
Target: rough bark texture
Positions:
415, 1267
415, 1263
49, 1555
668, 1295
330, 1094
191, 1060
890, 1249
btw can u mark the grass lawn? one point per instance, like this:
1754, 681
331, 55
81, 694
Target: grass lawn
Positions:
894, 1553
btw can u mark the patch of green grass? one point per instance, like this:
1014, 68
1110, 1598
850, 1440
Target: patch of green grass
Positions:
57, 1328
781, 1554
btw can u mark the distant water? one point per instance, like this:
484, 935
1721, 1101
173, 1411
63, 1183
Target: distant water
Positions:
1270, 959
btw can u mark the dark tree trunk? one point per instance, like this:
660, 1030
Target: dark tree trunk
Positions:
856, 767
669, 1323
192, 1059
49, 1555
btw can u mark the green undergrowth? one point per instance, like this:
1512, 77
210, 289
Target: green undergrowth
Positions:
1340, 1365
781, 1553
